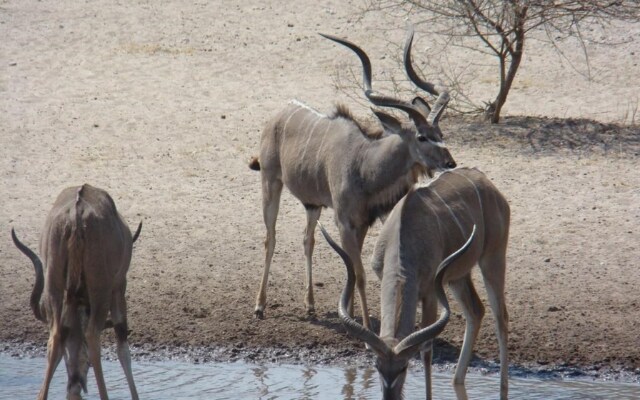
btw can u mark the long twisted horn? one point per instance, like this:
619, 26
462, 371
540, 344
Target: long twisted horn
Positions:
376, 98
137, 233
413, 342
352, 327
443, 98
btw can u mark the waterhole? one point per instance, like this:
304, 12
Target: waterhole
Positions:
20, 378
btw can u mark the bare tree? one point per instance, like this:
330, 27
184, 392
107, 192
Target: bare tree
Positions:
501, 27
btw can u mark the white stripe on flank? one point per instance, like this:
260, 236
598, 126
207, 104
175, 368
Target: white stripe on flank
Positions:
474, 188
433, 212
313, 128
304, 121
451, 212
319, 153
284, 128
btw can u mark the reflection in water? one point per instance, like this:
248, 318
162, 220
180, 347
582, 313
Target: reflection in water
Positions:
349, 379
354, 390
309, 387
261, 378
21, 379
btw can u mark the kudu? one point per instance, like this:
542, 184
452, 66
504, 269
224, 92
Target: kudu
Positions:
86, 248
429, 223
393, 358
332, 161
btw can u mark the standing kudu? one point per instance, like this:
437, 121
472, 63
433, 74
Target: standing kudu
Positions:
429, 223
86, 248
332, 161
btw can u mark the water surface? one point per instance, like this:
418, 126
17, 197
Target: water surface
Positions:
20, 378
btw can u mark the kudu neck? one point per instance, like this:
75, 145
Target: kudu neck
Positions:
386, 162
398, 302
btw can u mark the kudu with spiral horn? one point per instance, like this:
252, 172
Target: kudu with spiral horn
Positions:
392, 356
332, 161
430, 222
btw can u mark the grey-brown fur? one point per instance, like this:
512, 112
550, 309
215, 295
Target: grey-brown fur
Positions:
392, 358
86, 251
424, 227
331, 161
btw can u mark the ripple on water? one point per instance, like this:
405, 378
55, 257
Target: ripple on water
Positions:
20, 378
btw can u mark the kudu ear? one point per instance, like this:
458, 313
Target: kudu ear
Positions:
422, 105
388, 121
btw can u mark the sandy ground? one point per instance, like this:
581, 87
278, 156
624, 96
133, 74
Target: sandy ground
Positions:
162, 104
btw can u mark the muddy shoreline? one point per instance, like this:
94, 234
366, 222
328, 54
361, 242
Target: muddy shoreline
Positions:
330, 357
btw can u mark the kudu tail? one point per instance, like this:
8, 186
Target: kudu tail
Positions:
75, 249
254, 164
38, 287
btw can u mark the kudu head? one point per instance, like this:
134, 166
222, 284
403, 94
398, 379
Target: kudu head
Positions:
425, 137
392, 357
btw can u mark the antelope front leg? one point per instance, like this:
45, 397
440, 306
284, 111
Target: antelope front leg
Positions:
54, 355
99, 304
429, 316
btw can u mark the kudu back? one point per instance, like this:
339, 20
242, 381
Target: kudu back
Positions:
86, 250
333, 161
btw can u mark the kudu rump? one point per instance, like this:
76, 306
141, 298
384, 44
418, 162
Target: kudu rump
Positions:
86, 248
332, 161
428, 224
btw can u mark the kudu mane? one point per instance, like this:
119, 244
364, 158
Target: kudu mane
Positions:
368, 130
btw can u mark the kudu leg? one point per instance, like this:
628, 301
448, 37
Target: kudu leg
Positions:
313, 214
119, 317
99, 310
351, 245
54, 355
75, 353
271, 191
473, 310
429, 315
493, 272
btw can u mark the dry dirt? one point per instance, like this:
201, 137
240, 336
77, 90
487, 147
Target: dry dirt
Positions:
162, 104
